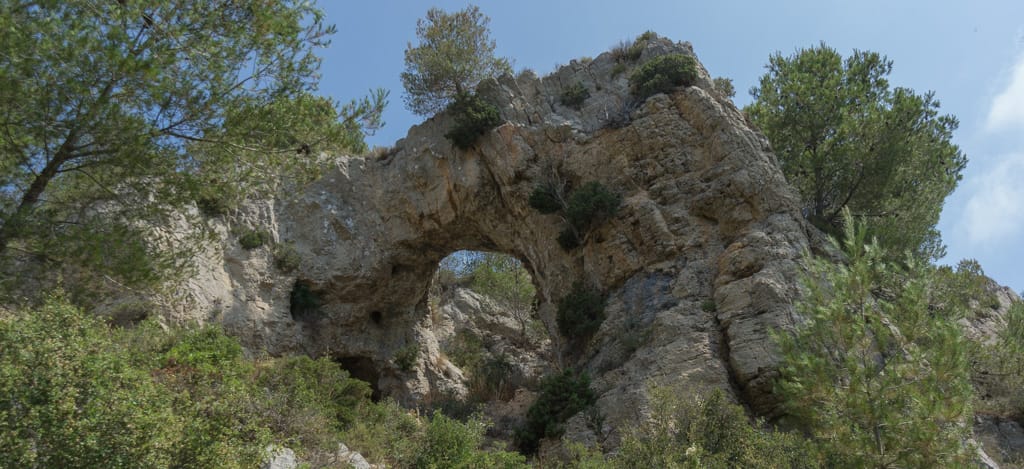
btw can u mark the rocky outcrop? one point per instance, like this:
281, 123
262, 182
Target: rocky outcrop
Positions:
698, 265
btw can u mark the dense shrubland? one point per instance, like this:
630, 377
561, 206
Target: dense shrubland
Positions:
76, 392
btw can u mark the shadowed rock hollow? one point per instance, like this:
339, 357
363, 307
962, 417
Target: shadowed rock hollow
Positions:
698, 265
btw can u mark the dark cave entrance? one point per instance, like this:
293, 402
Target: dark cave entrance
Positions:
362, 368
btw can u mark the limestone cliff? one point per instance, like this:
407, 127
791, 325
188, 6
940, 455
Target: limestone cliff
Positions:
699, 264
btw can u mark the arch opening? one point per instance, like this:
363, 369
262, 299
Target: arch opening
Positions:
483, 309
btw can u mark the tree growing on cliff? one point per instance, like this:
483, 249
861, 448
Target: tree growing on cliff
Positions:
847, 140
454, 54
117, 114
877, 375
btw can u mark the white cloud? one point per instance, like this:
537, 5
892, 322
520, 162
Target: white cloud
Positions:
995, 210
1007, 110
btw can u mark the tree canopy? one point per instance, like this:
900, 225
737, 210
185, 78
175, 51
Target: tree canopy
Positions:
455, 52
117, 114
847, 140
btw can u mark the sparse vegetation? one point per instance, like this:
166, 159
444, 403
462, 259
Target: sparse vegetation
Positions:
286, 257
562, 395
251, 238
473, 117
304, 301
405, 358
724, 87
575, 95
580, 312
662, 74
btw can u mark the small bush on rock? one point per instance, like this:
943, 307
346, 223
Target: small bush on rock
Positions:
663, 73
545, 200
251, 239
286, 257
575, 95
405, 357
473, 117
591, 205
561, 396
580, 313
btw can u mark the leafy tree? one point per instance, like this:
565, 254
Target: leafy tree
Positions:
877, 375
117, 114
846, 139
454, 54
503, 278
69, 397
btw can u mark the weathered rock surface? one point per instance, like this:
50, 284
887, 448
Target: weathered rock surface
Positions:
699, 264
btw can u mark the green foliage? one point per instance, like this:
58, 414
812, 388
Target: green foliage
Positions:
876, 381
545, 199
580, 313
591, 205
708, 306
473, 117
455, 53
286, 257
406, 356
503, 278
568, 239
966, 288
724, 86
251, 238
575, 95
70, 398
699, 432
630, 51
206, 349
998, 368
847, 140
662, 74
448, 443
562, 395
120, 115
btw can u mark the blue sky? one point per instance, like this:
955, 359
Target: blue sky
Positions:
971, 53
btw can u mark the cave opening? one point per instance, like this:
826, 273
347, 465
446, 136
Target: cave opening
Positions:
364, 369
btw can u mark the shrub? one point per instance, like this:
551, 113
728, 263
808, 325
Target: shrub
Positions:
251, 239
206, 349
580, 313
591, 204
663, 73
561, 396
568, 239
708, 432
69, 397
628, 51
473, 117
708, 306
213, 206
544, 199
724, 86
286, 257
575, 95
405, 357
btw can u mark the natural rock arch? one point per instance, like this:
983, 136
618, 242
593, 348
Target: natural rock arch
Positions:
700, 260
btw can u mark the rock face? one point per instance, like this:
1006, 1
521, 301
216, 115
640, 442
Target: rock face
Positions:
698, 264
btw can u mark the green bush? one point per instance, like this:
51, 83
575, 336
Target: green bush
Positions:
708, 432
575, 95
286, 257
561, 396
580, 313
473, 117
663, 73
591, 205
708, 306
251, 239
206, 349
70, 397
405, 357
545, 200
568, 239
